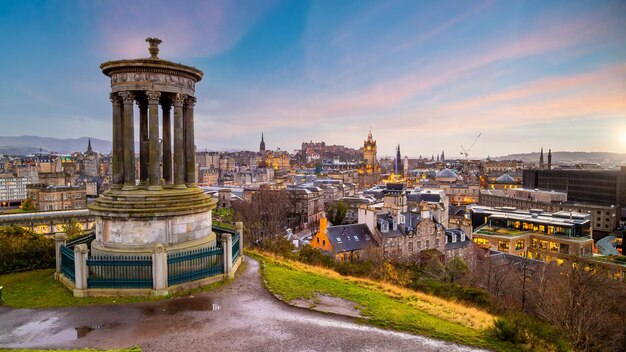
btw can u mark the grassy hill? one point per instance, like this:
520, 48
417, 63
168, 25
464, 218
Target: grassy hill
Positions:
384, 305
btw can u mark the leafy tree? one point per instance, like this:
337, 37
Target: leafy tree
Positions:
24, 250
27, 205
73, 229
336, 212
455, 269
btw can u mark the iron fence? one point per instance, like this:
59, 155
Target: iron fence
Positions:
80, 240
67, 263
119, 272
235, 249
194, 265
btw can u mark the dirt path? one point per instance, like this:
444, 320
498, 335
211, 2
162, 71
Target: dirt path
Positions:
241, 316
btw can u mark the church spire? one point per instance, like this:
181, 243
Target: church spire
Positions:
541, 159
549, 159
89, 150
262, 146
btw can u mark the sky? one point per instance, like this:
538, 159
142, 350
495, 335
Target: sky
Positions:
427, 75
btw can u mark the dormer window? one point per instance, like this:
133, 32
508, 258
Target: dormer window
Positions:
384, 227
402, 219
462, 236
454, 238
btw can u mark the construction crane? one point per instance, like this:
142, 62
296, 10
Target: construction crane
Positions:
466, 151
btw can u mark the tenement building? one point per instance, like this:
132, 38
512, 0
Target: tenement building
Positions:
46, 198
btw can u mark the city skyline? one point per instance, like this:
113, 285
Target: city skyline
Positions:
427, 77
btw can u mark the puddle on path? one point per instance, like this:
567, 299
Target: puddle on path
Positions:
187, 304
36, 333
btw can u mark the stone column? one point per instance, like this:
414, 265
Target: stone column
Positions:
59, 240
117, 150
81, 272
227, 247
190, 152
143, 139
159, 271
153, 156
167, 143
179, 142
129, 141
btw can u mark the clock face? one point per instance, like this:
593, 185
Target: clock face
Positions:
369, 148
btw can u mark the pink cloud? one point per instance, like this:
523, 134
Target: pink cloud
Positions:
293, 108
192, 28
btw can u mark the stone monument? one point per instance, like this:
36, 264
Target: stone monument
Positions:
159, 204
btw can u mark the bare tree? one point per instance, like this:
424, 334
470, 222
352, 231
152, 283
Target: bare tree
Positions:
265, 216
583, 303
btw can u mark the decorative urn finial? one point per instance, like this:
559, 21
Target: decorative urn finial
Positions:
154, 47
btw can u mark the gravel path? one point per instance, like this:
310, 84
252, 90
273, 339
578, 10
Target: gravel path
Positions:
241, 316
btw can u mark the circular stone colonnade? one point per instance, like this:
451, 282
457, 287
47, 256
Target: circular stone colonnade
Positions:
166, 206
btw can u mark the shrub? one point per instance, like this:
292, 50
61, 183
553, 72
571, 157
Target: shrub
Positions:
471, 295
520, 328
278, 245
24, 250
314, 256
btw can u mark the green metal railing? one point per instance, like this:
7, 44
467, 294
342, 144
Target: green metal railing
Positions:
80, 240
235, 248
67, 263
221, 229
120, 272
194, 265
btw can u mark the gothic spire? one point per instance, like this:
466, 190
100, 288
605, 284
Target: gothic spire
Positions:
262, 145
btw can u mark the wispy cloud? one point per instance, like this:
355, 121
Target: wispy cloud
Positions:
188, 28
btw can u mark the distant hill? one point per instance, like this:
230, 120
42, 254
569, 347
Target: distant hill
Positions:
568, 157
24, 145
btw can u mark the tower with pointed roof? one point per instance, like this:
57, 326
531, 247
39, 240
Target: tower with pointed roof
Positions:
398, 171
369, 154
262, 146
549, 159
541, 159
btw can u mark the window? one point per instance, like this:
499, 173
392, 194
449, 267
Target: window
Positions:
503, 246
519, 244
554, 247
419, 244
323, 242
481, 241
410, 247
427, 243
437, 242
534, 243
564, 248
543, 244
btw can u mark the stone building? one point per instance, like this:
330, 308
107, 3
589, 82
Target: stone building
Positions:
46, 198
344, 242
369, 172
90, 163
